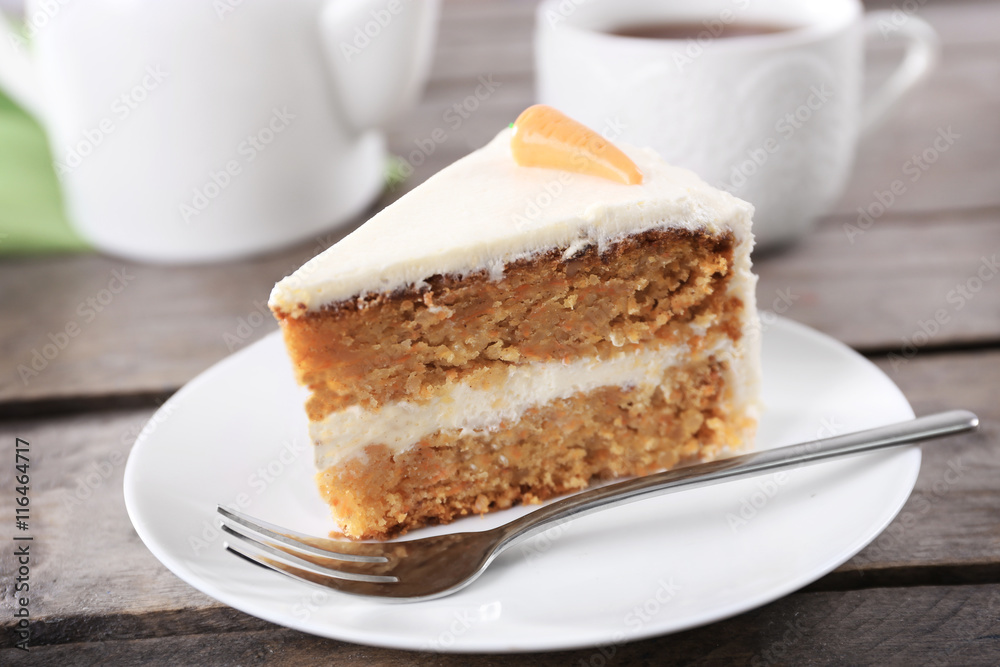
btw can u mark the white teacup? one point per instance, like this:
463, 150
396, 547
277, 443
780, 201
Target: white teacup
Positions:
189, 130
773, 118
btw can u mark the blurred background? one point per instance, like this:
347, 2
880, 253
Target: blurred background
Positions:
94, 343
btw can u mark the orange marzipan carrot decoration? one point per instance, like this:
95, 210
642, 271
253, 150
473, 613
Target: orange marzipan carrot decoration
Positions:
545, 137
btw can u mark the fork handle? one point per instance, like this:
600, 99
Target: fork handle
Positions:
737, 467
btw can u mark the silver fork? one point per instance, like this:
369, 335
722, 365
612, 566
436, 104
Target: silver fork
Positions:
431, 567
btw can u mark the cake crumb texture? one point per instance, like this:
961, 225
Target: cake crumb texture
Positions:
554, 448
657, 287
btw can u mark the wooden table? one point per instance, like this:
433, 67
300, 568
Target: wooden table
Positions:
926, 592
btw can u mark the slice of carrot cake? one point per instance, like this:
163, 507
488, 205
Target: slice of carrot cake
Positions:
547, 311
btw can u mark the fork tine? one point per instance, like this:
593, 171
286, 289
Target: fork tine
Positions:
286, 558
303, 543
384, 592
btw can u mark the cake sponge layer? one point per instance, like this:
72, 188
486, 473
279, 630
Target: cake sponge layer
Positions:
659, 287
553, 448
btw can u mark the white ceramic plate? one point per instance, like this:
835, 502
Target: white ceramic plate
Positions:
236, 435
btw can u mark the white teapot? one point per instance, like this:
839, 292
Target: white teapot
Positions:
201, 130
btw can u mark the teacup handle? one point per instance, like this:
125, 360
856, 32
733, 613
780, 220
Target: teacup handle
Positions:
379, 55
922, 49
17, 69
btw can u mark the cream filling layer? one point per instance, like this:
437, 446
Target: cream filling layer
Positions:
402, 424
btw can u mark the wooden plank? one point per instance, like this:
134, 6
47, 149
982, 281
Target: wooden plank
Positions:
87, 559
961, 101
963, 93
95, 578
872, 288
949, 529
67, 333
956, 497
897, 626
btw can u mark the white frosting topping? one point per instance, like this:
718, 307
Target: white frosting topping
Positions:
485, 210
402, 424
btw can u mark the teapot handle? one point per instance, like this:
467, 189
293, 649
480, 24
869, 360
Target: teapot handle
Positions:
379, 55
17, 69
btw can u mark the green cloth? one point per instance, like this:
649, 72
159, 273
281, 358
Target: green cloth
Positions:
31, 207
